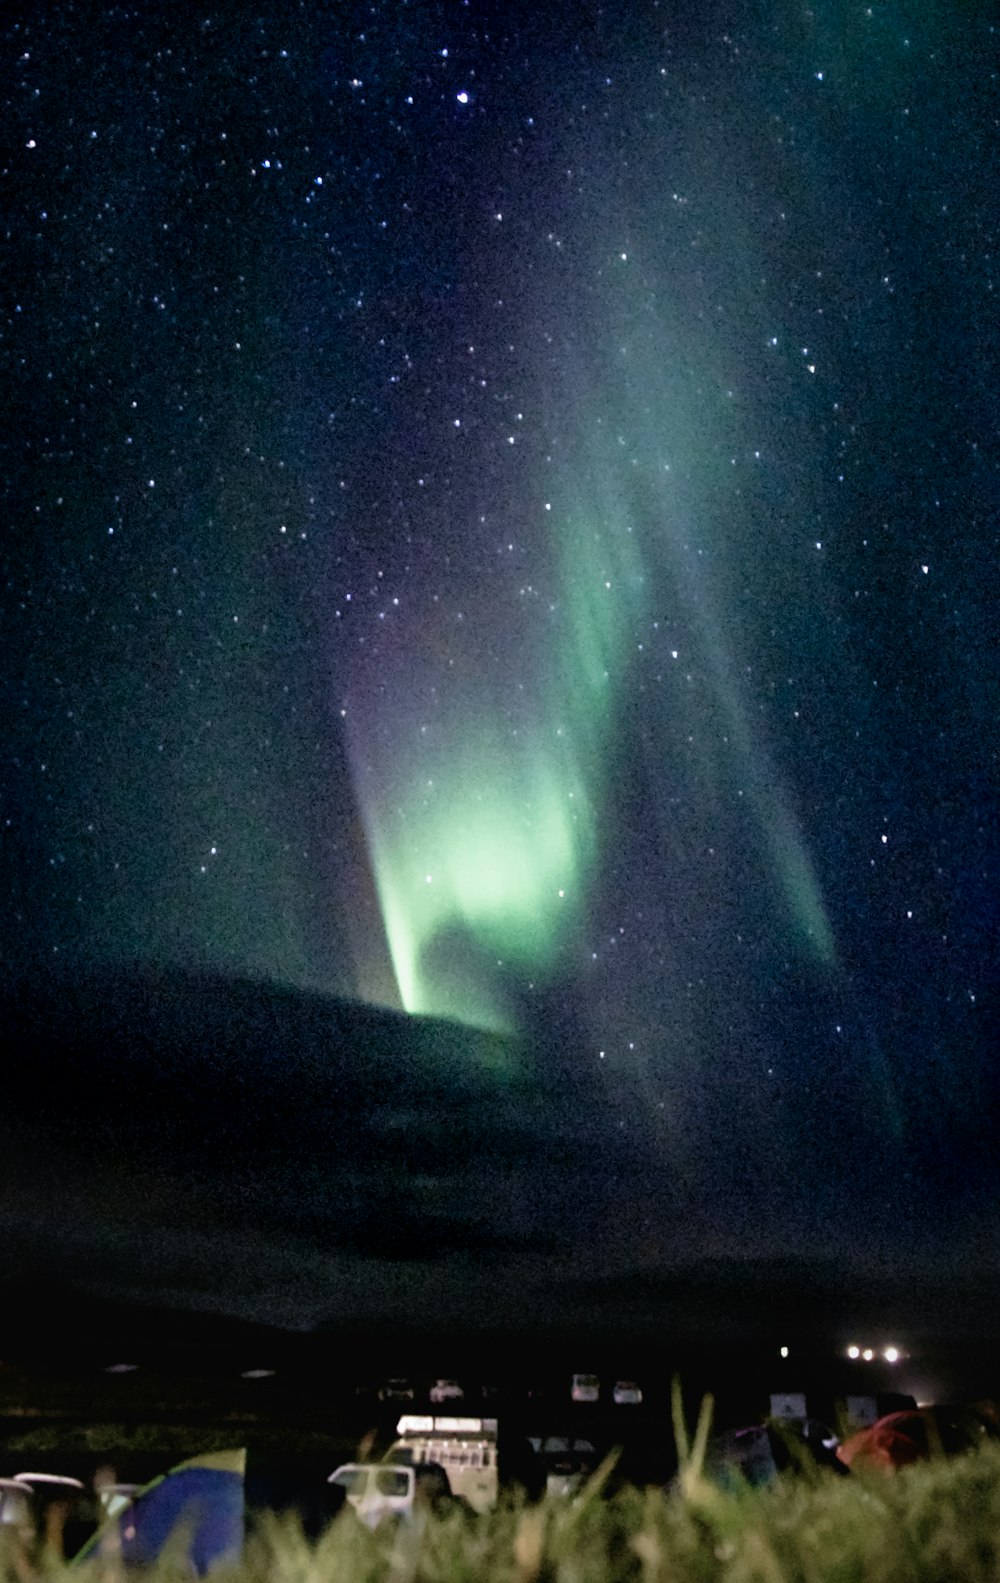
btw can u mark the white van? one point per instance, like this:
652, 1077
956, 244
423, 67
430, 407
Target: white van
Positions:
465, 1447
376, 1489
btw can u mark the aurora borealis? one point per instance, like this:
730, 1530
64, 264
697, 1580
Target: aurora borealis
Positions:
494, 828
500, 521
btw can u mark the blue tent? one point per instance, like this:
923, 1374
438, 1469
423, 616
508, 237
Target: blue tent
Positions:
198, 1505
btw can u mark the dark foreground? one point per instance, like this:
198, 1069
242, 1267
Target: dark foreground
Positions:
938, 1521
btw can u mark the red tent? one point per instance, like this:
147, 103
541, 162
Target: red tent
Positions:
892, 1442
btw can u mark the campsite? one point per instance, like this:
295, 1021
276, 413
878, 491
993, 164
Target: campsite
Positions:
932, 1517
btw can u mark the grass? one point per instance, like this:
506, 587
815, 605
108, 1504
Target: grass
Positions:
932, 1523
937, 1522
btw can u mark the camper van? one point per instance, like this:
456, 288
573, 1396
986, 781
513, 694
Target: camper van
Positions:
465, 1447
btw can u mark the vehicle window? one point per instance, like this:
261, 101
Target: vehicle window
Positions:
392, 1481
353, 1480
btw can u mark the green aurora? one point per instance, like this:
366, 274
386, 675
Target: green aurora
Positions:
488, 829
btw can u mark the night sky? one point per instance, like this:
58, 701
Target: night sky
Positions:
500, 521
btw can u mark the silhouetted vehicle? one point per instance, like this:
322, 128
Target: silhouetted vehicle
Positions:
568, 1462
585, 1388
446, 1391
757, 1453
397, 1390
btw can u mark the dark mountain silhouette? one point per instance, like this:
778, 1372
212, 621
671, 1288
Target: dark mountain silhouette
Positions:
231, 1145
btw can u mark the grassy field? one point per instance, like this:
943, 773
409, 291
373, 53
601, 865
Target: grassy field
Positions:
932, 1523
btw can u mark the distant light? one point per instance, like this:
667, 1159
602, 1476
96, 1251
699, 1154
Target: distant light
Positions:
258, 1374
891, 1354
854, 1352
868, 1354
463, 97
120, 1368
783, 1351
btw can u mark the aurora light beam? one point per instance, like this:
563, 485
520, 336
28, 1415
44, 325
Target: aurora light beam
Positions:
486, 762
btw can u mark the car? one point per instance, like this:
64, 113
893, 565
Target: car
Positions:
585, 1388
62, 1508
376, 1490
446, 1391
568, 1462
397, 1390
739, 1457
757, 1453
627, 1394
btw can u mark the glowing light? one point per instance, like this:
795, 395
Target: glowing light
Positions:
868, 1354
515, 832
508, 843
891, 1354
854, 1352
510, 836
783, 1351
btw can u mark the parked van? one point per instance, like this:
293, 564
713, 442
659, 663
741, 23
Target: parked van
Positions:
465, 1447
376, 1489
